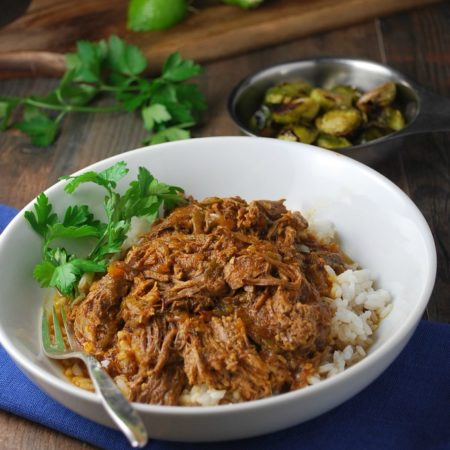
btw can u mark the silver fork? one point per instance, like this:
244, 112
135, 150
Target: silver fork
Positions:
117, 406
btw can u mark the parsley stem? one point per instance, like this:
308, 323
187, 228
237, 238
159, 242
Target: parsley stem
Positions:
60, 116
73, 108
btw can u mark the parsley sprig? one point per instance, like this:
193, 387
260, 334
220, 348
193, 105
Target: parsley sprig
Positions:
113, 69
145, 197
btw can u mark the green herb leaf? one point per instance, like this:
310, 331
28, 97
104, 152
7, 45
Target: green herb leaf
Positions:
156, 113
190, 94
64, 278
178, 69
108, 178
181, 113
43, 273
146, 195
39, 126
58, 231
125, 58
169, 134
43, 217
86, 63
80, 215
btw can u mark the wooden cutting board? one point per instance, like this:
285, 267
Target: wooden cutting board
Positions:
34, 43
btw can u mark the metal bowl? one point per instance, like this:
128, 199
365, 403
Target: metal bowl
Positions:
424, 111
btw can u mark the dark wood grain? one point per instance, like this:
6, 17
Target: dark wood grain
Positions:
425, 57
416, 43
19, 434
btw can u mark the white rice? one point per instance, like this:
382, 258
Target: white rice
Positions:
138, 227
201, 395
358, 309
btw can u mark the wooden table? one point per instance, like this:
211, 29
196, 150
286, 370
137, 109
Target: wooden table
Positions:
417, 43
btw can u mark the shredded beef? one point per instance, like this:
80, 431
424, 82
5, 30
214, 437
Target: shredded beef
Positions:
222, 293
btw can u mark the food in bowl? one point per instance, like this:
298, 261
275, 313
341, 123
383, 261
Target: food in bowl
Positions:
222, 301
330, 118
378, 225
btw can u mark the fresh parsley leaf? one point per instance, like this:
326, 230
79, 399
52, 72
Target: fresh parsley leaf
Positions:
39, 126
156, 113
190, 94
64, 278
146, 195
59, 231
57, 256
86, 63
178, 69
125, 58
42, 217
64, 273
181, 113
163, 91
43, 273
80, 215
114, 173
108, 178
169, 134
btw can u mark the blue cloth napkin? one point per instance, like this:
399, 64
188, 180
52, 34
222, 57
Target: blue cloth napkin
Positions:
408, 407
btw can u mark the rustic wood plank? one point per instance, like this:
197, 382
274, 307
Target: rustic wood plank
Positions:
215, 32
19, 434
425, 56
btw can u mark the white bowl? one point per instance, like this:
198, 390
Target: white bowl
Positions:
379, 226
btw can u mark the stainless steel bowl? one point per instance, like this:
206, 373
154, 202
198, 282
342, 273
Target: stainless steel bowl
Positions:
424, 111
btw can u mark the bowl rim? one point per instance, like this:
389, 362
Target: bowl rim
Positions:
372, 358
247, 82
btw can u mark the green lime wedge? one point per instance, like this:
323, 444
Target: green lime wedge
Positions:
147, 15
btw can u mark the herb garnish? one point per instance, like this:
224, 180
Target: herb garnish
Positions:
114, 69
144, 197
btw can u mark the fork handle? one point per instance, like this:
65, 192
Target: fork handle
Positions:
118, 407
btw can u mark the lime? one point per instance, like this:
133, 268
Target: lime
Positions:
146, 15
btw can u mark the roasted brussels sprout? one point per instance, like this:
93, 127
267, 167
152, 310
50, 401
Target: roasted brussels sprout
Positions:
285, 92
300, 108
351, 93
333, 118
339, 122
299, 133
331, 142
371, 133
287, 134
392, 118
330, 100
378, 98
